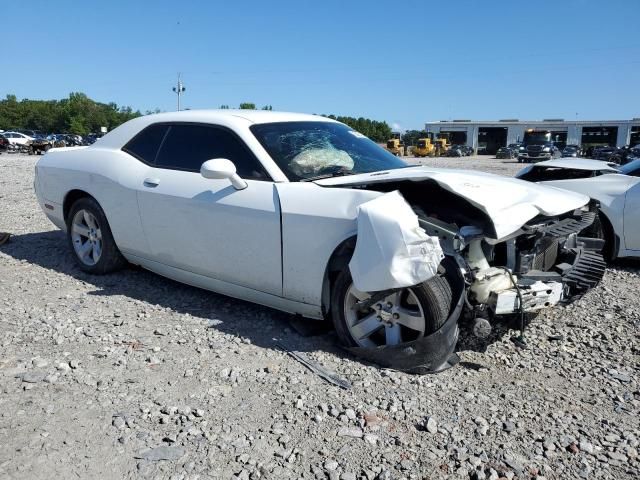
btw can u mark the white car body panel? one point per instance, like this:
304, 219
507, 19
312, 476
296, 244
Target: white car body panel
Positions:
619, 197
312, 230
17, 138
577, 164
109, 176
392, 250
230, 289
514, 205
269, 243
234, 233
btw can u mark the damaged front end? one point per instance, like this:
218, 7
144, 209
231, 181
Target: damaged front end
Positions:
542, 263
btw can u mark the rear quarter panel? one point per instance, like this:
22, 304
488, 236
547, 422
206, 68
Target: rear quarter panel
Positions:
110, 176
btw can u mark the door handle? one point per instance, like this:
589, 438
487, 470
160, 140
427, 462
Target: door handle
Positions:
151, 182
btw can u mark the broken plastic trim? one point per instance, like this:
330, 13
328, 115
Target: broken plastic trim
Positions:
430, 354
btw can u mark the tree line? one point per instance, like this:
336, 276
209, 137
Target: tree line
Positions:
375, 130
76, 114
81, 115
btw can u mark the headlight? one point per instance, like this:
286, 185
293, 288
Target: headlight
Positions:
546, 149
522, 149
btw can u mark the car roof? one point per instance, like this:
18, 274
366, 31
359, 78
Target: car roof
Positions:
578, 164
253, 116
227, 117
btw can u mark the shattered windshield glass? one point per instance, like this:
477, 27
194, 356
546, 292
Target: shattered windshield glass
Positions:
309, 150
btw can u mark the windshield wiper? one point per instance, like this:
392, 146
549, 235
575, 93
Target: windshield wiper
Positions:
340, 173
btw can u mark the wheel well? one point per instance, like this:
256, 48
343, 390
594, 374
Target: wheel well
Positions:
342, 255
612, 241
337, 262
72, 197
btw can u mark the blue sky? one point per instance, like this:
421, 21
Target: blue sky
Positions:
405, 62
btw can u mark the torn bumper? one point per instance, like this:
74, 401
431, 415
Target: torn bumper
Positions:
581, 270
430, 354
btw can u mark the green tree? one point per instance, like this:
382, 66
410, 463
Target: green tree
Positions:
411, 137
77, 114
76, 125
267, 107
375, 130
247, 106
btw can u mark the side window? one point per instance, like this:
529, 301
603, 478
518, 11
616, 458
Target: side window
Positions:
187, 147
144, 146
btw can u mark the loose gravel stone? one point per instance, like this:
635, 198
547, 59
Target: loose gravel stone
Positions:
432, 425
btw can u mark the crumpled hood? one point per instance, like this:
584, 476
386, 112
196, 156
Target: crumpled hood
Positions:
508, 202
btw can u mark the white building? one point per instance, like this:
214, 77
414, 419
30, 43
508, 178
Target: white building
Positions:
487, 137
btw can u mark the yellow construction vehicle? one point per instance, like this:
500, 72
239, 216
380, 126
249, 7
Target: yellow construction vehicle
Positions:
442, 144
395, 145
430, 146
424, 147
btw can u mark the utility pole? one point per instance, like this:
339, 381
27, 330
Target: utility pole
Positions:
179, 88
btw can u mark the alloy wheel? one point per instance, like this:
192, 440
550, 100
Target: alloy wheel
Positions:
86, 237
395, 319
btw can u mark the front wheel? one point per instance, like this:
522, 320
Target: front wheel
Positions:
402, 316
91, 240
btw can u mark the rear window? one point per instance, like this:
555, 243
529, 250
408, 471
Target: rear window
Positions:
145, 145
542, 174
631, 168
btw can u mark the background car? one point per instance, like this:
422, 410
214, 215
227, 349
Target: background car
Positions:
538, 151
603, 152
615, 189
564, 169
4, 143
456, 151
624, 155
17, 138
572, 151
39, 145
506, 152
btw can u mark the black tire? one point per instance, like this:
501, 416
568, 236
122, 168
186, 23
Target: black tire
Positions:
602, 229
110, 259
434, 295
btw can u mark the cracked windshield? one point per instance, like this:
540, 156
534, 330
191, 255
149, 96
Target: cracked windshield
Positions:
312, 150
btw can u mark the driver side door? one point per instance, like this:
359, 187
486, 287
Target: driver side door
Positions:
206, 226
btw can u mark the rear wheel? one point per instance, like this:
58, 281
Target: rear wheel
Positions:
402, 316
91, 239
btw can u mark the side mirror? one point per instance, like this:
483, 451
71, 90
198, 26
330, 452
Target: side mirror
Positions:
219, 168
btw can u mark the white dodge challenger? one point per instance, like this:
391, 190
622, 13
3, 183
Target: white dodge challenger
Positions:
303, 214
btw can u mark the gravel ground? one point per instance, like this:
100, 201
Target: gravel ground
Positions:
132, 375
